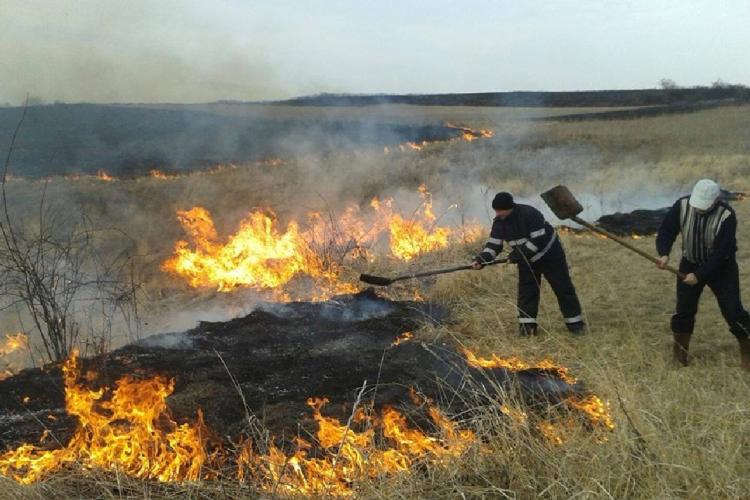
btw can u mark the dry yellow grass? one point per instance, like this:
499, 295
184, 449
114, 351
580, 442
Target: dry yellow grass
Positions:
681, 432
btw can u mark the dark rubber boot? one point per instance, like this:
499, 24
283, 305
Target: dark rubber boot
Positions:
578, 328
528, 329
680, 348
745, 354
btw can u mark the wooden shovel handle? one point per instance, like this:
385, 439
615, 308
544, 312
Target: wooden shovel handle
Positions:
624, 243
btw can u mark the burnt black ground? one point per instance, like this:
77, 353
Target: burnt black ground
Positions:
129, 141
280, 355
646, 222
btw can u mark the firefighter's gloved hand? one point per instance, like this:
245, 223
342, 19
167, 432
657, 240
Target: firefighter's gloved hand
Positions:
515, 257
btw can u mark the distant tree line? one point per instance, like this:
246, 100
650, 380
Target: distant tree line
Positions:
669, 94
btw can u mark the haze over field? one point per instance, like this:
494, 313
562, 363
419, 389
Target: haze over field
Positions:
196, 51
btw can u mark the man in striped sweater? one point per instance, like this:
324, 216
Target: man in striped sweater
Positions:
709, 244
538, 252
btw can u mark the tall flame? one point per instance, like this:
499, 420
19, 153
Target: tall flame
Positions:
262, 256
416, 235
130, 431
258, 255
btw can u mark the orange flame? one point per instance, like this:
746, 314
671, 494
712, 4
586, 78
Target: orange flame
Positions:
261, 256
404, 337
257, 255
595, 410
515, 364
467, 134
416, 235
353, 454
13, 342
130, 431
104, 176
158, 174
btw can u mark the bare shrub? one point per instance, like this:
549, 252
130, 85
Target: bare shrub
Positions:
51, 268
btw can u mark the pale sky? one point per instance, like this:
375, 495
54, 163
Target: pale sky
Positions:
204, 50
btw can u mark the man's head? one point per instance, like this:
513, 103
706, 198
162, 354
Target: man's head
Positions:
503, 204
705, 194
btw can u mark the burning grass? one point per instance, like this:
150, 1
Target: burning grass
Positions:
130, 429
259, 255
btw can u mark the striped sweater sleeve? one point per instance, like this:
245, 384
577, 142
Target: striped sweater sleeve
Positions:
492, 248
725, 245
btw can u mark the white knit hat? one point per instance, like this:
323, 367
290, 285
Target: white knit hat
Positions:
705, 194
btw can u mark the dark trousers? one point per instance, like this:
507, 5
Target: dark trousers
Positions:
725, 284
554, 268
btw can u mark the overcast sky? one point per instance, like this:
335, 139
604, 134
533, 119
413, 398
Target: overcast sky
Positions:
204, 50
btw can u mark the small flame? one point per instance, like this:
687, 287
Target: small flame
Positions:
104, 176
158, 174
466, 134
13, 342
404, 337
516, 364
130, 429
469, 134
596, 410
555, 434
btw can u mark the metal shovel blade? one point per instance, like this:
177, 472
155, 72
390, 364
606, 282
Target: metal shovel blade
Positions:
562, 202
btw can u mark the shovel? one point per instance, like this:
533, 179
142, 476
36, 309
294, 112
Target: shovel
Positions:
565, 206
382, 281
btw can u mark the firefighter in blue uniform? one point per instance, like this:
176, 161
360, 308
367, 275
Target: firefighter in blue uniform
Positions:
538, 252
709, 245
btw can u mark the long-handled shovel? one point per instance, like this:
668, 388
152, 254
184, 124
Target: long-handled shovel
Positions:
382, 281
565, 206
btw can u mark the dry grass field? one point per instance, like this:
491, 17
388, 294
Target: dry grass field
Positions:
680, 432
